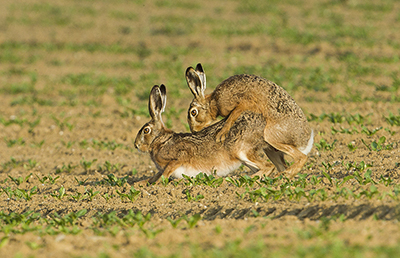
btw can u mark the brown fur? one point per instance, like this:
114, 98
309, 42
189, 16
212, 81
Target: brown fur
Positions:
199, 150
286, 129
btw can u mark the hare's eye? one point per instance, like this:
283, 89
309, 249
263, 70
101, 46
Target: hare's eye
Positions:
146, 130
193, 112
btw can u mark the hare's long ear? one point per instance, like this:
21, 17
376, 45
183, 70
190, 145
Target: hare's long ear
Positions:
163, 91
195, 84
202, 75
155, 103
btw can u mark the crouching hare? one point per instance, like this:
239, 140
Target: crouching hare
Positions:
286, 127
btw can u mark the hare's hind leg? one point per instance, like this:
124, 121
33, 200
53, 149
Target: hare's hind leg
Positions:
257, 161
274, 138
276, 157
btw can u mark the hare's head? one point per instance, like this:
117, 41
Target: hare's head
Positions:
155, 127
199, 115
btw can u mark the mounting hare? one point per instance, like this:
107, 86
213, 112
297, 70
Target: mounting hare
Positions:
287, 128
175, 154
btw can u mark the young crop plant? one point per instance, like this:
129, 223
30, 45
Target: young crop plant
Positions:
368, 132
31, 164
378, 145
174, 223
60, 194
90, 194
62, 124
68, 144
10, 142
37, 144
81, 182
107, 166
361, 166
114, 181
77, 197
86, 165
65, 168
324, 145
351, 147
192, 221
193, 198
393, 119
19, 180
244, 180
13, 163
131, 195
344, 130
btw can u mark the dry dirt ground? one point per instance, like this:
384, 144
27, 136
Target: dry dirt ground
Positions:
74, 82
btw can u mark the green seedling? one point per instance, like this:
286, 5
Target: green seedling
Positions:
90, 193
37, 144
63, 124
11, 143
52, 180
315, 180
324, 145
386, 180
392, 119
368, 132
114, 181
60, 194
27, 195
106, 196
33, 245
68, 144
352, 147
343, 130
378, 145
327, 166
31, 164
366, 179
81, 182
369, 193
86, 165
193, 198
262, 192
151, 233
77, 197
243, 181
20, 180
131, 195
107, 166
192, 221
65, 168
13, 163
164, 180
358, 167
33, 124
390, 131
174, 223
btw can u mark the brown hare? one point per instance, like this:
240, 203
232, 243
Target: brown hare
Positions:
175, 154
287, 128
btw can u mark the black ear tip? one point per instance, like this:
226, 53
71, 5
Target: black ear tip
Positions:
155, 87
188, 69
199, 67
163, 89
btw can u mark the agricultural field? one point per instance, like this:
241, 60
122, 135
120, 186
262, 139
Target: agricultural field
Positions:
75, 78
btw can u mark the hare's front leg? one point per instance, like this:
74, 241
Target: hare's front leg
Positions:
235, 113
169, 169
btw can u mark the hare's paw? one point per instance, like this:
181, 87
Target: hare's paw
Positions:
222, 134
142, 183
